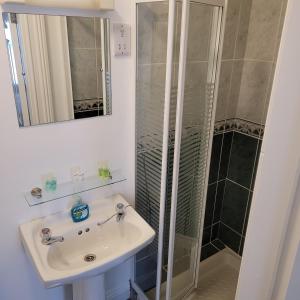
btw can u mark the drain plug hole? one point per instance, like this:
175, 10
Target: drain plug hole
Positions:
90, 257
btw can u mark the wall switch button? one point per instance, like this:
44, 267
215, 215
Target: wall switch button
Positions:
122, 40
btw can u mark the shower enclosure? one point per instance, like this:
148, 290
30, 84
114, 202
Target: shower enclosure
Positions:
178, 54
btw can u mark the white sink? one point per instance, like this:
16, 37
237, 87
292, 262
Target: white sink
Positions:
110, 243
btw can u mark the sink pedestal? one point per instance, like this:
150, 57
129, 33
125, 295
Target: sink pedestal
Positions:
92, 288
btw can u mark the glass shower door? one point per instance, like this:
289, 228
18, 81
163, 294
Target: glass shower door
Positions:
151, 62
171, 197
198, 51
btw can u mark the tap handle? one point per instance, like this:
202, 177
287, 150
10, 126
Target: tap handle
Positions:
46, 233
120, 208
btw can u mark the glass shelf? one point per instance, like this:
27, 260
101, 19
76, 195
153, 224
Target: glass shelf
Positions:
70, 188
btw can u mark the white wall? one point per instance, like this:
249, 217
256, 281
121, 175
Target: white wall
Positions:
287, 282
277, 180
26, 154
294, 288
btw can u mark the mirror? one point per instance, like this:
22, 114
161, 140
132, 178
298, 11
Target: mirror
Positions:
60, 67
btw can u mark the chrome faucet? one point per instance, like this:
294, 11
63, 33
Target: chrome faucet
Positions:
47, 239
120, 209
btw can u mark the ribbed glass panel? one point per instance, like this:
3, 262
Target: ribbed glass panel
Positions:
152, 19
194, 151
152, 25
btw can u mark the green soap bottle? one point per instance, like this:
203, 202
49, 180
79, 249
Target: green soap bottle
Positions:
104, 171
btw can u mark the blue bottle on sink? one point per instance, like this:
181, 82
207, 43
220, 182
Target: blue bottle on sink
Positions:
80, 211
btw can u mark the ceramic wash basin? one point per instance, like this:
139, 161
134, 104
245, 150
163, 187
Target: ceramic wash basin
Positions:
89, 248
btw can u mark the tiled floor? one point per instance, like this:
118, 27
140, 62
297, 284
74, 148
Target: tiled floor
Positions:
220, 285
220, 277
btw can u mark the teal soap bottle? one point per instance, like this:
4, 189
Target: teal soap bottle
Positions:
49, 182
80, 211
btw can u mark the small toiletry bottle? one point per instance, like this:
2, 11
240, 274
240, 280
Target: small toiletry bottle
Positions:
77, 176
50, 182
80, 211
103, 171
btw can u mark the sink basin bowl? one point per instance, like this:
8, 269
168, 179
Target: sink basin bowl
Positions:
90, 248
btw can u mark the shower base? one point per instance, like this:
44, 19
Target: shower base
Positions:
218, 277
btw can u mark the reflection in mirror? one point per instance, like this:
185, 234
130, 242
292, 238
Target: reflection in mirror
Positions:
60, 67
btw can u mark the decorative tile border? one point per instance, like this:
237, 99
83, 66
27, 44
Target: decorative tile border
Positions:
240, 125
87, 105
153, 141
220, 127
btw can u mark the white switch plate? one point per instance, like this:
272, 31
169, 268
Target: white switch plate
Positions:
122, 40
